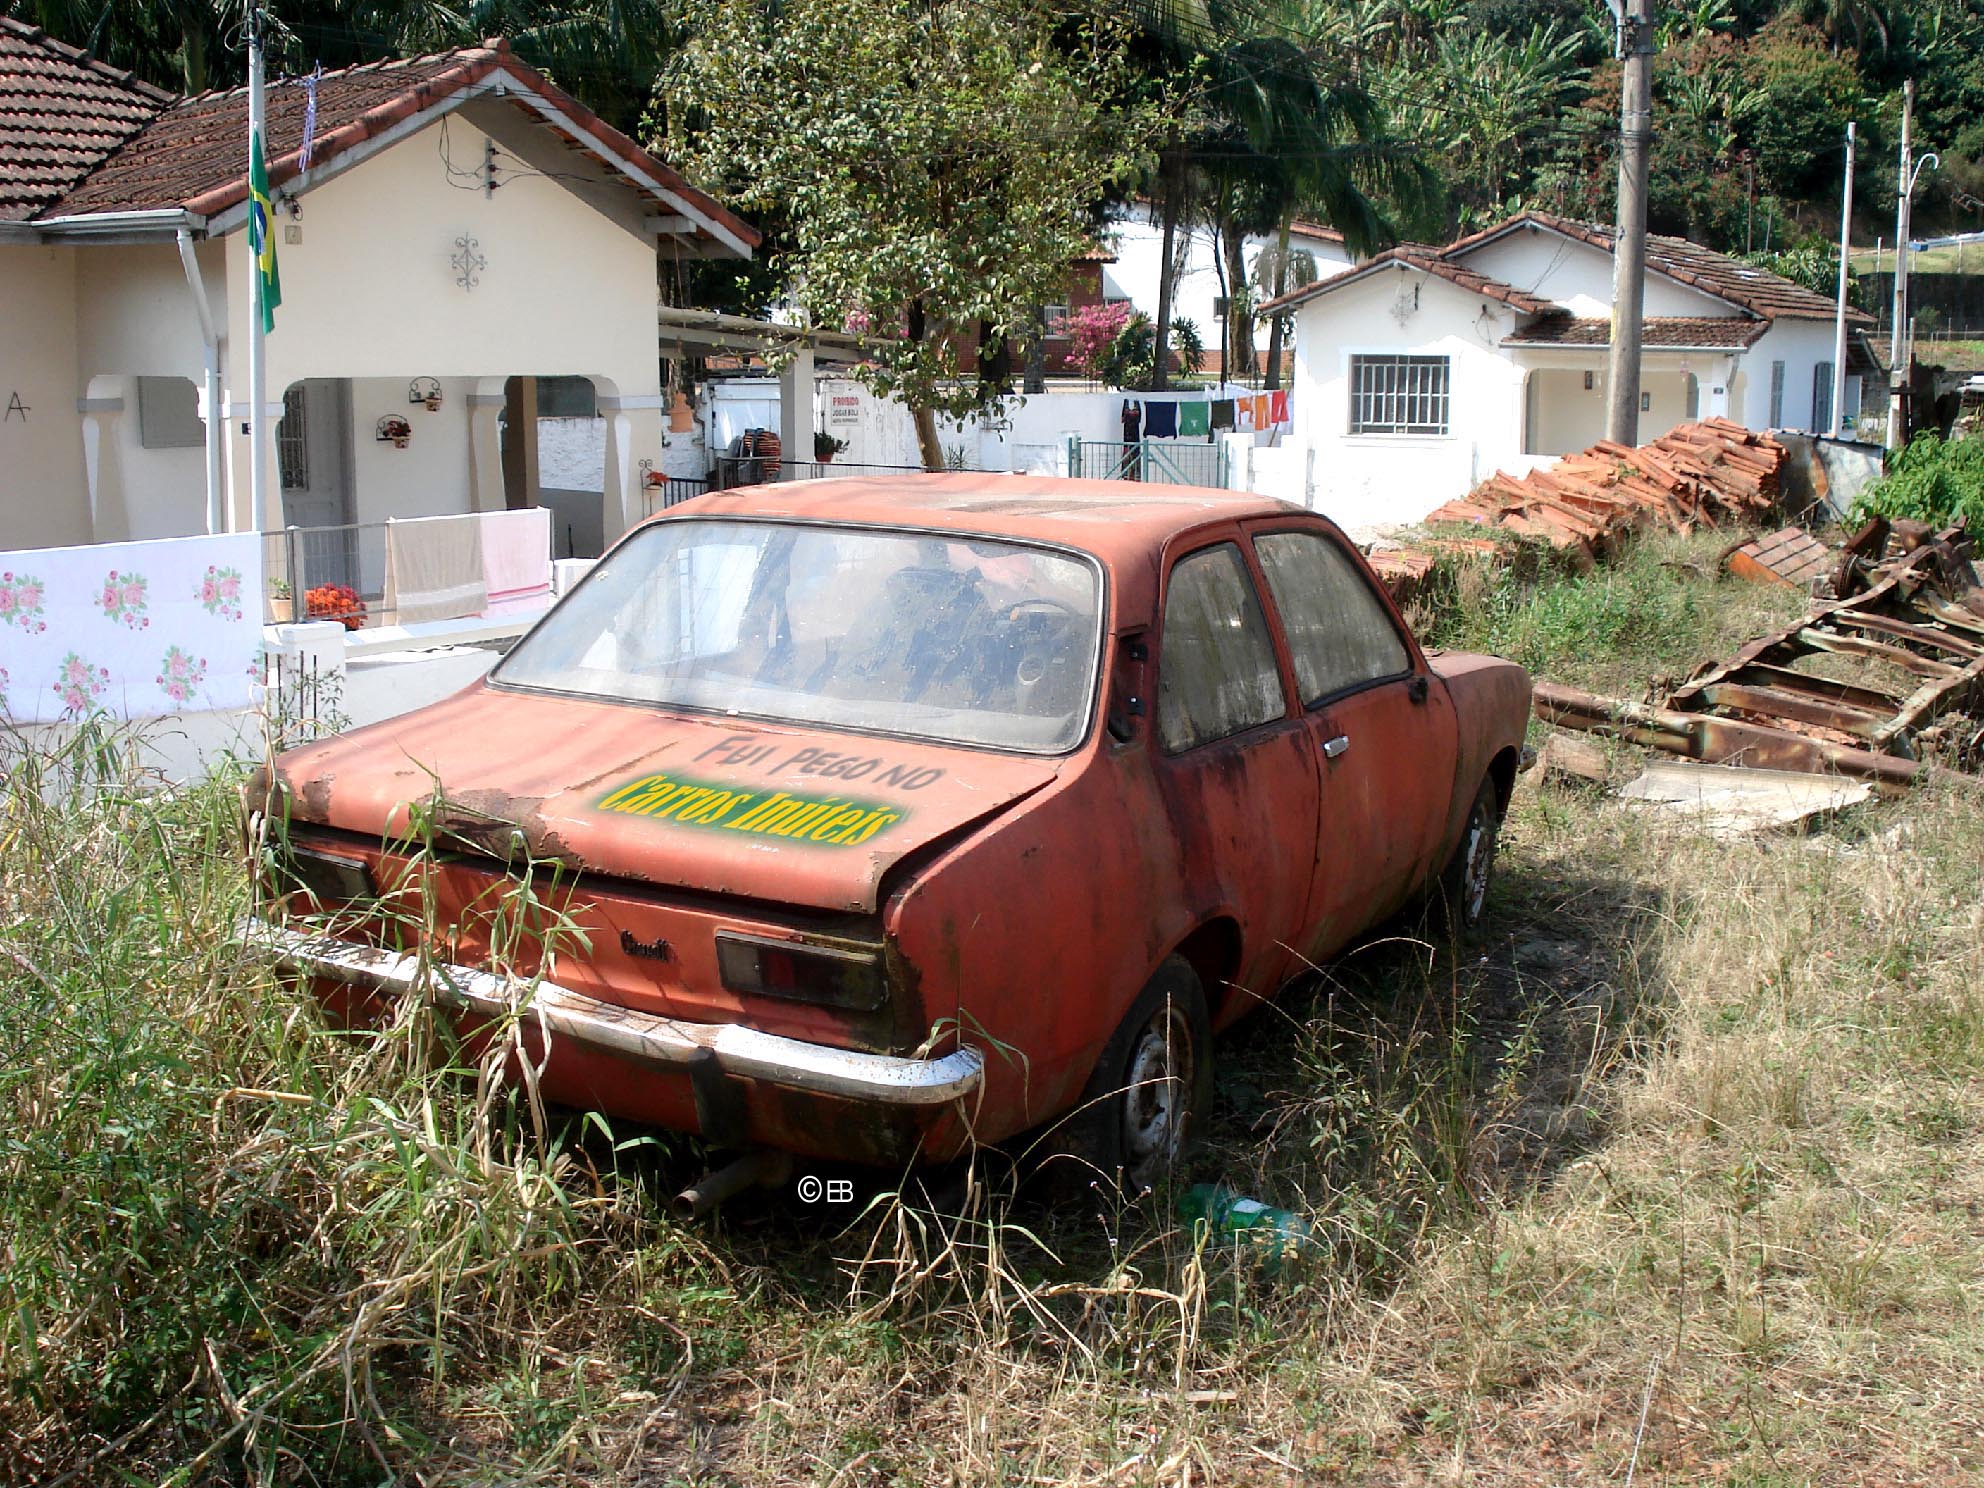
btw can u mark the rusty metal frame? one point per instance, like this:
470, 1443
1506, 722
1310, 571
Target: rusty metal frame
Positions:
1922, 613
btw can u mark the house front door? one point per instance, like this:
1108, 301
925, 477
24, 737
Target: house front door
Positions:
313, 447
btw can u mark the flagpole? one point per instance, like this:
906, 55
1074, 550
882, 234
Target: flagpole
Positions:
260, 518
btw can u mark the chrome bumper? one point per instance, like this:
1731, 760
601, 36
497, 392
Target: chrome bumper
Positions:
645, 1038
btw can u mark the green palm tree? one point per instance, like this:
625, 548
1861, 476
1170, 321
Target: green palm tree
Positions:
1258, 127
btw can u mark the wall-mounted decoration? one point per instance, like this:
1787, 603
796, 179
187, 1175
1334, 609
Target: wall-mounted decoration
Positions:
425, 390
393, 429
468, 261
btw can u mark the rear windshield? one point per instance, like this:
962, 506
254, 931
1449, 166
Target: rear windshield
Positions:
962, 640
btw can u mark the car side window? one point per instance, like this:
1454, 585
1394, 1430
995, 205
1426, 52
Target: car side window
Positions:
1339, 632
1216, 666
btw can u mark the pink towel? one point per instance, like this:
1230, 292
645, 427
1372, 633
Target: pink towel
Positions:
516, 558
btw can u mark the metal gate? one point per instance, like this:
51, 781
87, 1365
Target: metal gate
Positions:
1159, 462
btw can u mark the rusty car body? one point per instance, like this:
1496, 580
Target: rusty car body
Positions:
822, 905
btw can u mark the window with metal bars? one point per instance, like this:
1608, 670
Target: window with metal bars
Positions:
1398, 394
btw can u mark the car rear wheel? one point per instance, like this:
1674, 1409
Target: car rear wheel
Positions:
1462, 894
1152, 1086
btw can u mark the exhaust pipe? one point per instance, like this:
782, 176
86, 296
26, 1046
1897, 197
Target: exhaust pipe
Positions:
763, 1168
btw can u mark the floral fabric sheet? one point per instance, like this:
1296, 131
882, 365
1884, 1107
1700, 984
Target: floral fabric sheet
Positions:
136, 630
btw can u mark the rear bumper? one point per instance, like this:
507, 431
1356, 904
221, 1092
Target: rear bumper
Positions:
660, 1043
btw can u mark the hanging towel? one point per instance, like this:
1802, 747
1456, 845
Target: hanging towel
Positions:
1278, 406
434, 569
1263, 414
1160, 420
1222, 413
1132, 420
1194, 418
516, 560
1243, 415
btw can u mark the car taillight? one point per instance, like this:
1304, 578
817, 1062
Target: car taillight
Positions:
825, 975
328, 878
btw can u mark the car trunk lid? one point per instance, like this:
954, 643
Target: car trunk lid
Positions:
774, 812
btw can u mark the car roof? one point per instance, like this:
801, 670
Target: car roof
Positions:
1106, 517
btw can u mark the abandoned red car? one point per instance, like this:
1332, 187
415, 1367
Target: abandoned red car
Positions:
891, 815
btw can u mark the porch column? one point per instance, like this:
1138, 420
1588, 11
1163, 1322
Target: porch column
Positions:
795, 406
485, 451
633, 434
110, 521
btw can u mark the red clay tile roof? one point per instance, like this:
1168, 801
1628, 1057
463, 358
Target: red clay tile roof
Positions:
61, 112
1427, 260
1756, 290
1706, 332
191, 153
1315, 230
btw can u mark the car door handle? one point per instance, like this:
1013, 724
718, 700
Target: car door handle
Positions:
1336, 746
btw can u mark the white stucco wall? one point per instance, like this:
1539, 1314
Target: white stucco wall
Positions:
1579, 276
1564, 415
370, 292
43, 497
1366, 480
1138, 245
429, 478
165, 490
1801, 345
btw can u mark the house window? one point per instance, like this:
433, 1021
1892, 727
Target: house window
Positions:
1398, 394
1777, 395
293, 442
1055, 318
1822, 398
169, 414
567, 397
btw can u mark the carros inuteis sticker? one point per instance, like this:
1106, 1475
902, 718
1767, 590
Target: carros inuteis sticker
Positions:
832, 821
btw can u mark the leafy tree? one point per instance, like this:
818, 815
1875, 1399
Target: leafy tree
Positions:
935, 161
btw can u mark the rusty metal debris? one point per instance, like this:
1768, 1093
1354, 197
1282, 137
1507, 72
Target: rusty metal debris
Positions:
1918, 616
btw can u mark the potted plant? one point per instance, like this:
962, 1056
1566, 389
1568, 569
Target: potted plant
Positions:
825, 447
282, 603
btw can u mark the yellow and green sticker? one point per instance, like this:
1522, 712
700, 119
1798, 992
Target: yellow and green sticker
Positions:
832, 821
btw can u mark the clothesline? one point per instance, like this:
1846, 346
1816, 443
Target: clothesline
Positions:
1186, 417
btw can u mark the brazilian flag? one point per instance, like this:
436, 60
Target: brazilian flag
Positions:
261, 236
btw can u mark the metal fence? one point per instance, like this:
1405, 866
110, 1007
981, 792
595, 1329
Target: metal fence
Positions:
747, 470
350, 556
1163, 462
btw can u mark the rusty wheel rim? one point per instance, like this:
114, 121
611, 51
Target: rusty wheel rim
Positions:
1156, 1096
1480, 859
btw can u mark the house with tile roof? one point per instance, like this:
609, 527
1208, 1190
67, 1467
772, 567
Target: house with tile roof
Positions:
1424, 370
453, 231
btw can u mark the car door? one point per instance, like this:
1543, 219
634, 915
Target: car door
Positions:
1381, 725
1233, 763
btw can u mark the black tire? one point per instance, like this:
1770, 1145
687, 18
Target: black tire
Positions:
1460, 896
1137, 1119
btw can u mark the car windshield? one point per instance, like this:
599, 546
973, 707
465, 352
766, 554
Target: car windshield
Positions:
960, 639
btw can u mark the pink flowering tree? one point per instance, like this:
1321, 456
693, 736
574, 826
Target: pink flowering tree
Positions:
1094, 329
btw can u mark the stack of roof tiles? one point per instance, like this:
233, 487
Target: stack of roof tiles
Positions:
1697, 474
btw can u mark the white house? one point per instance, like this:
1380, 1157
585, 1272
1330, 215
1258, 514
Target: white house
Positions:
1424, 370
1199, 293
460, 230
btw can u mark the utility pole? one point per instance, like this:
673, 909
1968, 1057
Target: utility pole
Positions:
1839, 312
1897, 373
260, 517
1635, 18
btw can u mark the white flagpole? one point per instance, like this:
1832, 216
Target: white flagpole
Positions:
260, 518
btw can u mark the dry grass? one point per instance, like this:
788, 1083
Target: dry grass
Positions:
1673, 1177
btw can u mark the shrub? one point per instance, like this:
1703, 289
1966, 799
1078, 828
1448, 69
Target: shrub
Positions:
1933, 480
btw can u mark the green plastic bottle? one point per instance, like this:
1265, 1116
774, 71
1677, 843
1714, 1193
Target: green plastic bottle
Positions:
1279, 1234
